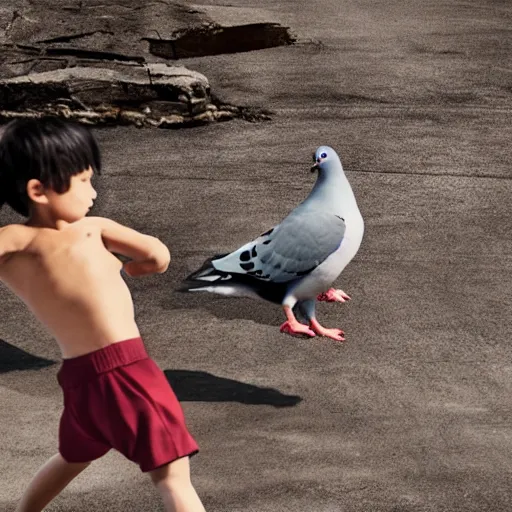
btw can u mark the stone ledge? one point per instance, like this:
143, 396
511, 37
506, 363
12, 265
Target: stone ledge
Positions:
107, 63
153, 95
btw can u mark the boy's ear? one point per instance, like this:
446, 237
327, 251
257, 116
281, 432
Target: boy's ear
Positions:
36, 192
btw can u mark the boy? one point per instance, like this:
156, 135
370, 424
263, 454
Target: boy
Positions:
60, 263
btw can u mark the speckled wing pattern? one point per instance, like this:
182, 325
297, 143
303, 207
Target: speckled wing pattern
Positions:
290, 250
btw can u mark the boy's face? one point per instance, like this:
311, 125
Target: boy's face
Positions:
74, 204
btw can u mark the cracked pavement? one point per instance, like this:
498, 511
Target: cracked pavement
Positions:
412, 412
49, 51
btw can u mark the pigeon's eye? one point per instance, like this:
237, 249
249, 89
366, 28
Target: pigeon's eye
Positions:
323, 155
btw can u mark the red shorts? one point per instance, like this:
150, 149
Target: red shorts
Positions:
117, 397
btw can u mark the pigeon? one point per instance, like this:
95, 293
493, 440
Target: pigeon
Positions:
295, 263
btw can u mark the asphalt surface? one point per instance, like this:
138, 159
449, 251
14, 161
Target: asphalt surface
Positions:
412, 413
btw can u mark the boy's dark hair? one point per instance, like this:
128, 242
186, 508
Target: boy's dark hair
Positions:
47, 149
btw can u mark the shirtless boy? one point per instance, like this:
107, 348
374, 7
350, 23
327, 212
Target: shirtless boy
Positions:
61, 264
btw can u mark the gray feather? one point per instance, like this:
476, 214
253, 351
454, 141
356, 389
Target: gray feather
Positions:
292, 249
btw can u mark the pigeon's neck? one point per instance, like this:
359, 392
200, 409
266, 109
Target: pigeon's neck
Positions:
333, 192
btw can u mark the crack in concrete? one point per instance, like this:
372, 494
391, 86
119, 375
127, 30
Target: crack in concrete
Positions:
94, 54
434, 174
66, 39
73, 9
214, 39
15, 16
134, 8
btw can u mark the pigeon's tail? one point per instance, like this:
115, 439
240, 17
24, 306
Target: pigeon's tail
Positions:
207, 271
209, 279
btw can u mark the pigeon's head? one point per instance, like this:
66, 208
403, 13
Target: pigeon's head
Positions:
325, 160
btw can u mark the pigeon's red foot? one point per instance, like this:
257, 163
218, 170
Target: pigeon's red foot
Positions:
335, 334
333, 295
296, 328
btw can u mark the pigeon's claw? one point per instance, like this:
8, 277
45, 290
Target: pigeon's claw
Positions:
335, 334
296, 328
333, 295
293, 326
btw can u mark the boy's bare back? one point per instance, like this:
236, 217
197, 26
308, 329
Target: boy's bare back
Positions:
71, 281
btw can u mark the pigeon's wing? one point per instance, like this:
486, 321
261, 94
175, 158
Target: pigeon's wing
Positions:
290, 250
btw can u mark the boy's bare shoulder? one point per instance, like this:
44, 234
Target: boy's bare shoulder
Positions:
15, 238
100, 222
103, 224
109, 226
17, 233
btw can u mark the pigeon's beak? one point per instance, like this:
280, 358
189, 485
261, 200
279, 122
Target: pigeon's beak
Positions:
314, 167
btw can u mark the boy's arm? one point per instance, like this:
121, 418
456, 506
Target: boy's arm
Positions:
147, 254
5, 244
13, 238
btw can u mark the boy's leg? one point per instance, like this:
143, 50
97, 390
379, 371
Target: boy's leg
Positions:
48, 482
173, 483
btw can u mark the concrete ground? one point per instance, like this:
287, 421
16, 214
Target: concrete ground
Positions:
412, 412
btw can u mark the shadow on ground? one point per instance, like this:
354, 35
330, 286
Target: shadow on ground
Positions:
189, 385
194, 386
233, 308
13, 358
227, 308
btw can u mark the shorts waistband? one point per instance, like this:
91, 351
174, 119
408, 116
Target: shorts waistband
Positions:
76, 370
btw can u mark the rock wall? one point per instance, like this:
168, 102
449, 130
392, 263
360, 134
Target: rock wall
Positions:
105, 62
